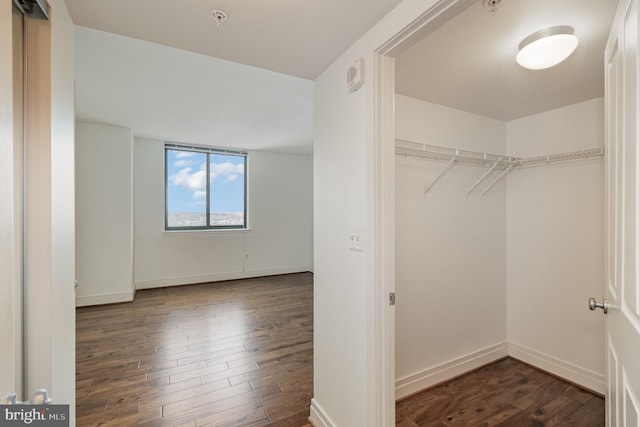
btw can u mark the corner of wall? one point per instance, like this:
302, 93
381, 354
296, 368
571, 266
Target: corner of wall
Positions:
455, 367
577, 374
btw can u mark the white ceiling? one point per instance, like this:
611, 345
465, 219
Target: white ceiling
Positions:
296, 37
174, 95
183, 87
469, 62
163, 69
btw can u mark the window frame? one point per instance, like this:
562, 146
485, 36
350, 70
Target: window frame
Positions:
208, 151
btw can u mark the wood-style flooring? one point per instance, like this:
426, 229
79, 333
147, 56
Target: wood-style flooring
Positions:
506, 393
236, 353
240, 353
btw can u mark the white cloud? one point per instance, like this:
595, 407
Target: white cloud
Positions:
194, 181
183, 163
197, 203
226, 170
198, 194
184, 154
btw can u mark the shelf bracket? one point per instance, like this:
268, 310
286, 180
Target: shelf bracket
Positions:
484, 176
444, 171
502, 175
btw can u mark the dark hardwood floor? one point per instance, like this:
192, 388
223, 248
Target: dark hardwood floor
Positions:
240, 353
506, 393
236, 353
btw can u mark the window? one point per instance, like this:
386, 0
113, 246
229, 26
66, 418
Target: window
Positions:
205, 188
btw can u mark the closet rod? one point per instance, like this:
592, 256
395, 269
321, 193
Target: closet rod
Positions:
492, 161
436, 152
562, 157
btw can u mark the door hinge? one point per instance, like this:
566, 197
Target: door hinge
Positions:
392, 298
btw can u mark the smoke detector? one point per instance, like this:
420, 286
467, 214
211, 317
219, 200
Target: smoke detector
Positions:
492, 5
219, 16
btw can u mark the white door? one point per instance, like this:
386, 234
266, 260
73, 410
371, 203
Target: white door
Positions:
622, 287
26, 271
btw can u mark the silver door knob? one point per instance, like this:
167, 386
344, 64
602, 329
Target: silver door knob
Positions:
593, 304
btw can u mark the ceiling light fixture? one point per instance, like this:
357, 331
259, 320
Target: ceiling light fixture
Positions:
219, 16
546, 48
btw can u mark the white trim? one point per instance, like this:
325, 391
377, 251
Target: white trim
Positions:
429, 377
204, 231
576, 374
318, 417
382, 346
381, 335
190, 280
105, 298
438, 14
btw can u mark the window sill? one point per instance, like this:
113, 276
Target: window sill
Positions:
209, 230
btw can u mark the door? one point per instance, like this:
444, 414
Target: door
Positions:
622, 285
25, 181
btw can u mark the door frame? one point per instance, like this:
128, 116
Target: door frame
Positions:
382, 358
11, 128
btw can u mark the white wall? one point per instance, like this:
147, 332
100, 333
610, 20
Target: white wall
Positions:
555, 244
532, 262
104, 214
63, 322
340, 346
279, 239
347, 380
109, 269
450, 250
212, 101
280, 212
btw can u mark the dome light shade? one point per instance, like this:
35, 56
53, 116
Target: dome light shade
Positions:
546, 48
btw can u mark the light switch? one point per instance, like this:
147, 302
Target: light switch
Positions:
355, 238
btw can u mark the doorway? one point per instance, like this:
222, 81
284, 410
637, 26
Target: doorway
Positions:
502, 311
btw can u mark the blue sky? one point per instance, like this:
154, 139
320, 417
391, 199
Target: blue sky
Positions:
186, 179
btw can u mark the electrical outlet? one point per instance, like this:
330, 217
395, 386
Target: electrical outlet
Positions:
355, 238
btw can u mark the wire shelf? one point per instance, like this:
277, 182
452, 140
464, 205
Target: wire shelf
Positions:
436, 152
563, 157
493, 162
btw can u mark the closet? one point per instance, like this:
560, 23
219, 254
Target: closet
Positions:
499, 196
499, 241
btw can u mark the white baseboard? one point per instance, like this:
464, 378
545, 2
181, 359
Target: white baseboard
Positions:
580, 376
84, 301
318, 417
431, 376
189, 280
